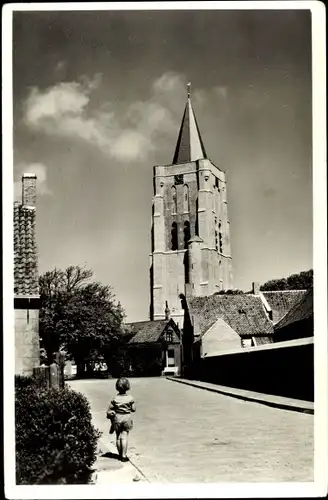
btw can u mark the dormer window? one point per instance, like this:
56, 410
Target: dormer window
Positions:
169, 336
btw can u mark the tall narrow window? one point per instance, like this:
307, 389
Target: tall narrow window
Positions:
174, 236
185, 198
174, 200
186, 231
186, 266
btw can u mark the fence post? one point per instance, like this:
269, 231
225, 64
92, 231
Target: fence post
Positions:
42, 375
60, 360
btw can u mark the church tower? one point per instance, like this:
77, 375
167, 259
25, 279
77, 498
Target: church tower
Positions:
190, 252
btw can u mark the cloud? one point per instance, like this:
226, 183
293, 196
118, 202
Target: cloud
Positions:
60, 67
221, 91
40, 170
67, 110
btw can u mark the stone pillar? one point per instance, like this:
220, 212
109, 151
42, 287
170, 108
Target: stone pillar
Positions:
205, 204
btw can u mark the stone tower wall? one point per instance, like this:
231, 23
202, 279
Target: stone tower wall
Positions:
205, 265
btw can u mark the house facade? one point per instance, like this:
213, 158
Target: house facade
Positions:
222, 323
154, 348
26, 286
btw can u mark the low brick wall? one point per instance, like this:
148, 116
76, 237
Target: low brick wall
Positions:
285, 369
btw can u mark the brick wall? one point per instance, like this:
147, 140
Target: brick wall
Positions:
286, 370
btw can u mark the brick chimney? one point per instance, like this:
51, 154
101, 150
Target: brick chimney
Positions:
255, 288
29, 190
167, 311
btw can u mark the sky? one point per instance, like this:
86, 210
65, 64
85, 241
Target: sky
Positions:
98, 100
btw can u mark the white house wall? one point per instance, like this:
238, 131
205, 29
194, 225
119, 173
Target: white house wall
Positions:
220, 337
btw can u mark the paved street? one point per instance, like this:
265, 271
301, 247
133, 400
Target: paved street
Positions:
185, 434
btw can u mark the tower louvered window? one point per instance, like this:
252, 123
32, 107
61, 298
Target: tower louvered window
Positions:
174, 200
186, 231
185, 198
174, 236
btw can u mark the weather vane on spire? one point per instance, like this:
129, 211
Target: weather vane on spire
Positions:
188, 88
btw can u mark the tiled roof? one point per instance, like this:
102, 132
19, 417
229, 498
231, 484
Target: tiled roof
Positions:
301, 311
25, 252
264, 340
282, 301
244, 313
150, 331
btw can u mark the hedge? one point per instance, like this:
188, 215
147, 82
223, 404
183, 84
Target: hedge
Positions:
55, 440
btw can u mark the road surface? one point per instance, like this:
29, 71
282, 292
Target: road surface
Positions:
185, 434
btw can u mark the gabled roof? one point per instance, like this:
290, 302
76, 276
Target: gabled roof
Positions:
151, 331
190, 146
281, 301
25, 252
302, 310
244, 313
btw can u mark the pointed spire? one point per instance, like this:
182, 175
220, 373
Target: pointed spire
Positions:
190, 146
188, 88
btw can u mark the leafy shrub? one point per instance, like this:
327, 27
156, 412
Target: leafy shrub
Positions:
23, 382
55, 439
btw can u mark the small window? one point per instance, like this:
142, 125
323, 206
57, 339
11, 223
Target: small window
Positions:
169, 336
216, 182
178, 179
174, 236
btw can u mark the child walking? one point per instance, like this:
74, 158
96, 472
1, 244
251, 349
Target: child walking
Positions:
119, 413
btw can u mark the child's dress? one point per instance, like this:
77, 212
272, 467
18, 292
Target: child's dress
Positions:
122, 405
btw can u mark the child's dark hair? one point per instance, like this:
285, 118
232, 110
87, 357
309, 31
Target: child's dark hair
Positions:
122, 385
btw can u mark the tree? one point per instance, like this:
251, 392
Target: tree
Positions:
300, 281
79, 316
